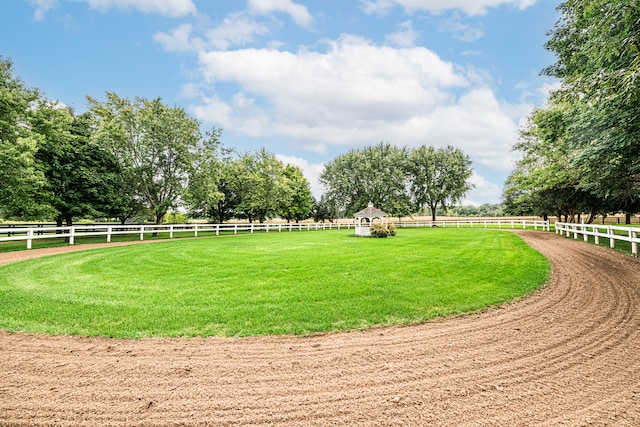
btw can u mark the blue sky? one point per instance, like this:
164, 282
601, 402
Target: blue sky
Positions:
307, 79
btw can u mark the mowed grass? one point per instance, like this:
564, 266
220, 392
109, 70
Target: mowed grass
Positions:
276, 283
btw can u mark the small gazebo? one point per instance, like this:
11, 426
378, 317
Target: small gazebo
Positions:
365, 218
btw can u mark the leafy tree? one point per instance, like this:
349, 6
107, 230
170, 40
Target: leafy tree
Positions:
546, 181
324, 210
299, 201
597, 44
260, 184
21, 181
439, 177
81, 177
484, 210
228, 186
203, 193
376, 174
156, 147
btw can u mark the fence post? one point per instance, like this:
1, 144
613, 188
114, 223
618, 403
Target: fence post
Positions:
612, 241
585, 236
195, 228
142, 232
217, 229
596, 237
72, 232
171, 231
109, 230
235, 229
29, 237
634, 244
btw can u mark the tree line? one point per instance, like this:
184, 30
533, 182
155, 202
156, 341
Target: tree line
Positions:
143, 159
581, 154
399, 181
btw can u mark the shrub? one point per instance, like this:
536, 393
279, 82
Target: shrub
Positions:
392, 230
380, 230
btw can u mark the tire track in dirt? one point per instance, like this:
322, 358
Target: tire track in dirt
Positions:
567, 355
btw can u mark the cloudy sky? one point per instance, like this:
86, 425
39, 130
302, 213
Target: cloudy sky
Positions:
307, 79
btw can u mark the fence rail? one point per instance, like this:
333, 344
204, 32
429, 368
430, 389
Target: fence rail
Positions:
29, 234
611, 232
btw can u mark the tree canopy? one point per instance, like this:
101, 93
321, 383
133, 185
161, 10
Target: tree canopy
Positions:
397, 180
582, 150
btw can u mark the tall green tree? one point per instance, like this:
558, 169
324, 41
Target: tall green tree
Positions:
204, 193
324, 210
439, 177
597, 45
376, 174
156, 147
227, 205
546, 180
260, 183
298, 201
21, 182
81, 177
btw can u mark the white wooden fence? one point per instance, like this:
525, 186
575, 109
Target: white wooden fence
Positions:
611, 232
29, 234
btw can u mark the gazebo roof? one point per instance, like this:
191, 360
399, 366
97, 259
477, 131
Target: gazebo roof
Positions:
370, 212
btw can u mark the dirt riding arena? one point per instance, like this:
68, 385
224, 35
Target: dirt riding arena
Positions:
567, 356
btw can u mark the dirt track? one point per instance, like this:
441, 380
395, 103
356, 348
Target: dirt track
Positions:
569, 355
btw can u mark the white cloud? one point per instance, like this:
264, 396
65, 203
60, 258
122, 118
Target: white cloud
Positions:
171, 8
41, 7
179, 39
297, 12
377, 7
311, 171
483, 190
405, 36
469, 7
349, 95
236, 29
460, 30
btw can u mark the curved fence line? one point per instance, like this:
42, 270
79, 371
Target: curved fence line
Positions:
611, 232
29, 234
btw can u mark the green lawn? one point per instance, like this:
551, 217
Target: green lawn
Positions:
276, 283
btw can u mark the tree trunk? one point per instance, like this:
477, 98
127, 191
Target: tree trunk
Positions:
69, 222
627, 217
159, 219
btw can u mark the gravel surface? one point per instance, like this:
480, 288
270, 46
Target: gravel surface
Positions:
569, 355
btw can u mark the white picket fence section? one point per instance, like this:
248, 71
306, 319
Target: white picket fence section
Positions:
611, 232
29, 234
